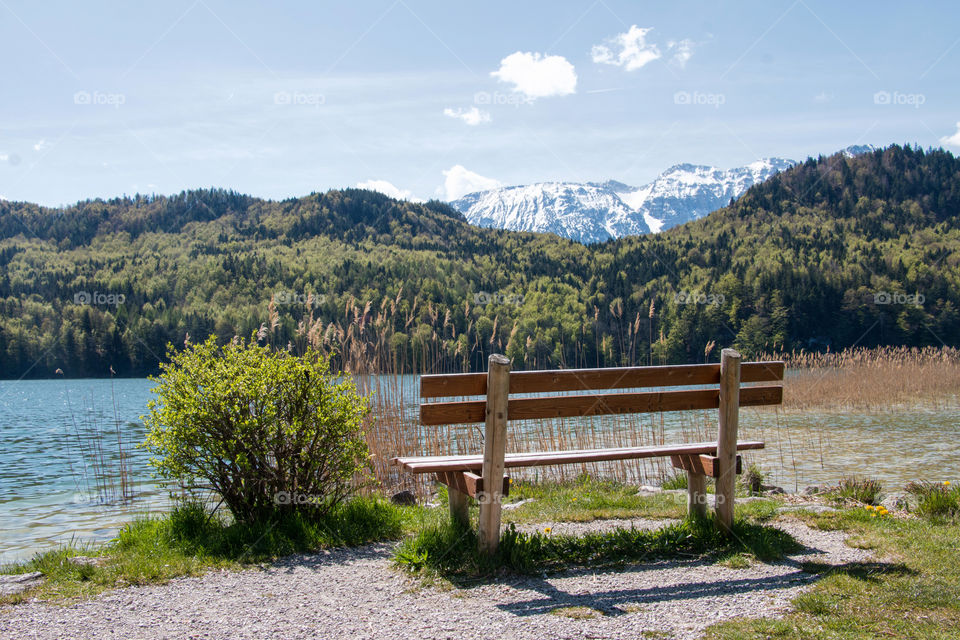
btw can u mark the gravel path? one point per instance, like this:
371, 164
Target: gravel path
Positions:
354, 593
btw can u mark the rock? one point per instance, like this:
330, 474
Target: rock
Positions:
897, 502
86, 561
811, 491
815, 508
10, 585
404, 498
516, 505
771, 489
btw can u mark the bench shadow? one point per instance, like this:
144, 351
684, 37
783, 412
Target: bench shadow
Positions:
612, 602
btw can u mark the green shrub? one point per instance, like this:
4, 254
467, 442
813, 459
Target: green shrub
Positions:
753, 479
863, 490
269, 432
935, 499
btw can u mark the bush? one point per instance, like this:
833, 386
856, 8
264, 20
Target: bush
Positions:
935, 499
268, 431
862, 490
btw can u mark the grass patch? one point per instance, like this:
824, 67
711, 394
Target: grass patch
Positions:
187, 541
448, 550
937, 500
862, 490
914, 592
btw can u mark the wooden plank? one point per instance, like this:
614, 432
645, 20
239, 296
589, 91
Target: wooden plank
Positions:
704, 463
730, 398
474, 411
468, 483
475, 384
696, 494
435, 464
494, 450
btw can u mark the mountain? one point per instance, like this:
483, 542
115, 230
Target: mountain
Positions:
583, 212
835, 251
595, 212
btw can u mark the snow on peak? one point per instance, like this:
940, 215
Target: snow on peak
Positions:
594, 212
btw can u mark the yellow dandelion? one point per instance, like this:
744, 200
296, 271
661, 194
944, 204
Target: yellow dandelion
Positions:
869, 507
546, 530
574, 499
946, 482
873, 515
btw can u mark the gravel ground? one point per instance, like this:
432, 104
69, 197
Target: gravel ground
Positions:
354, 593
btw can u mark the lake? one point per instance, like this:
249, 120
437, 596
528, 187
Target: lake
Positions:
56, 434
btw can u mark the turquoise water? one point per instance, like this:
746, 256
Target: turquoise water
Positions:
56, 434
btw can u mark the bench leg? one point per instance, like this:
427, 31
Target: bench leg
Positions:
696, 494
459, 509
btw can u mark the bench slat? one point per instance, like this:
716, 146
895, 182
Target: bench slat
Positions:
434, 464
474, 411
475, 384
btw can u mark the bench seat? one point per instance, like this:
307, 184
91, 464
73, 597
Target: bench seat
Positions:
439, 464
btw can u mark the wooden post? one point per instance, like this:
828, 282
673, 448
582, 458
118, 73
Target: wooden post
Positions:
696, 494
494, 450
727, 437
459, 507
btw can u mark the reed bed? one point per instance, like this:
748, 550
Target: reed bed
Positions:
887, 378
362, 343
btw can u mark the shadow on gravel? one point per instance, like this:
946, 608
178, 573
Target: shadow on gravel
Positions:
612, 603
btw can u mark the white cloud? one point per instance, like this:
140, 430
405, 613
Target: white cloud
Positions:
536, 75
629, 50
387, 189
459, 181
40, 146
954, 140
682, 52
472, 116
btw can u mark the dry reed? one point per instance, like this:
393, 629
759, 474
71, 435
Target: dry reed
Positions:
361, 343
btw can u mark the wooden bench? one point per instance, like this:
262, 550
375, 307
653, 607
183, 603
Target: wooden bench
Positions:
482, 476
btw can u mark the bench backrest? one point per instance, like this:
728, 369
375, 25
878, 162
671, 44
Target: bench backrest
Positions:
580, 405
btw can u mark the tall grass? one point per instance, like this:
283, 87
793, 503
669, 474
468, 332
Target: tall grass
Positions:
364, 343
871, 379
103, 471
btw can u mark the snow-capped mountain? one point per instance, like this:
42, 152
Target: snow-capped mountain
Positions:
594, 212
859, 149
582, 212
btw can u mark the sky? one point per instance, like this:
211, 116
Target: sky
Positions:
424, 99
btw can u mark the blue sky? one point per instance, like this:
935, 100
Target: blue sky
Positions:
433, 99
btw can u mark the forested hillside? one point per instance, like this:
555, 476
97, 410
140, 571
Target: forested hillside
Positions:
834, 252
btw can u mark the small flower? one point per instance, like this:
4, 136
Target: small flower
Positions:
574, 499
946, 482
546, 530
870, 507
